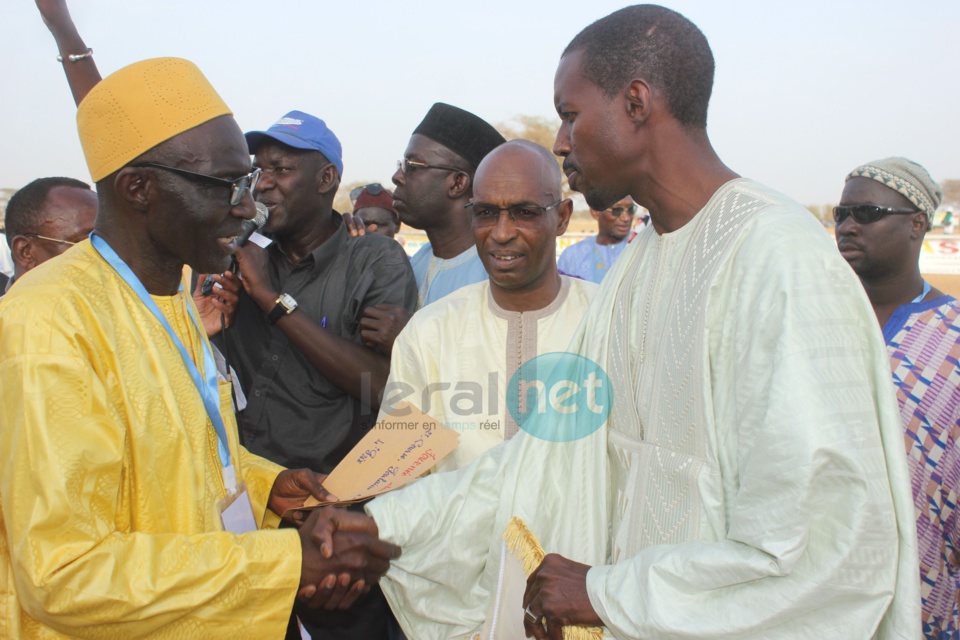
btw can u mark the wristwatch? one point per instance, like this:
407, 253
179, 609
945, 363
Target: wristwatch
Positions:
285, 306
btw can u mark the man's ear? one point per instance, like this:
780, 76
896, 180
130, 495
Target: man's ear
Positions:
21, 249
329, 179
461, 187
919, 225
564, 211
638, 101
135, 187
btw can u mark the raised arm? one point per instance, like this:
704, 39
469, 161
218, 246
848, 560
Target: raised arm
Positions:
82, 74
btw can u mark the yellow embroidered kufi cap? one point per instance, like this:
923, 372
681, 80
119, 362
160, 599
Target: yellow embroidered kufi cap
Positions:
140, 106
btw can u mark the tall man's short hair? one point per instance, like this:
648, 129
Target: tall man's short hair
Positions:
719, 386
25, 209
656, 44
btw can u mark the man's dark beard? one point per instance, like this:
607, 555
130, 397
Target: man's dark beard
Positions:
600, 199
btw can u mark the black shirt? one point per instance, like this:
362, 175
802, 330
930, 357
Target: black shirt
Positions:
294, 415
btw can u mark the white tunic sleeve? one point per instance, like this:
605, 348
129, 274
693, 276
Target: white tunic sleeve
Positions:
811, 466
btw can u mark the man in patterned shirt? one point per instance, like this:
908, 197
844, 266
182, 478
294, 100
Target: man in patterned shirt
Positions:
886, 208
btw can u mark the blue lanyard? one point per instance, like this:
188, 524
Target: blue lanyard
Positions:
206, 385
926, 290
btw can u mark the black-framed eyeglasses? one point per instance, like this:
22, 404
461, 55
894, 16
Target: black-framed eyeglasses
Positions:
40, 237
405, 166
238, 186
374, 189
867, 213
616, 212
522, 215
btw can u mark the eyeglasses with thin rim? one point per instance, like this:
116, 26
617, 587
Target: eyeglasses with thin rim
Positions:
405, 166
238, 186
522, 215
616, 212
867, 213
40, 237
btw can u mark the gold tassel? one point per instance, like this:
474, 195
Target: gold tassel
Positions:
525, 547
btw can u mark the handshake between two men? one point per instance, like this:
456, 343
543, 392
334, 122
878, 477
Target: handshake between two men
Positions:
342, 555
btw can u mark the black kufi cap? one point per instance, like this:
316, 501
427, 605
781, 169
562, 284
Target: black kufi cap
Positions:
465, 134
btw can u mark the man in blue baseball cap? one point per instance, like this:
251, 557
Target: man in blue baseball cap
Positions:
295, 341
300, 130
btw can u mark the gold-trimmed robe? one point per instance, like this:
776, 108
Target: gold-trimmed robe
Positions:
455, 358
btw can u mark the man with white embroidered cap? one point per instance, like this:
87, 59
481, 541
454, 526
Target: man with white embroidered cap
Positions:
885, 211
127, 506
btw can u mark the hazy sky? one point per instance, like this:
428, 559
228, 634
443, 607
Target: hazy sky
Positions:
804, 91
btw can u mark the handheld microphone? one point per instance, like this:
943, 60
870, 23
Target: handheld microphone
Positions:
249, 227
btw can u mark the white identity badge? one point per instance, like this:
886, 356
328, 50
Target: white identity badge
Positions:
236, 511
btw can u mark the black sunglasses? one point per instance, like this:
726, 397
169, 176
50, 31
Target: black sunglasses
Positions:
619, 211
238, 186
374, 189
867, 213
